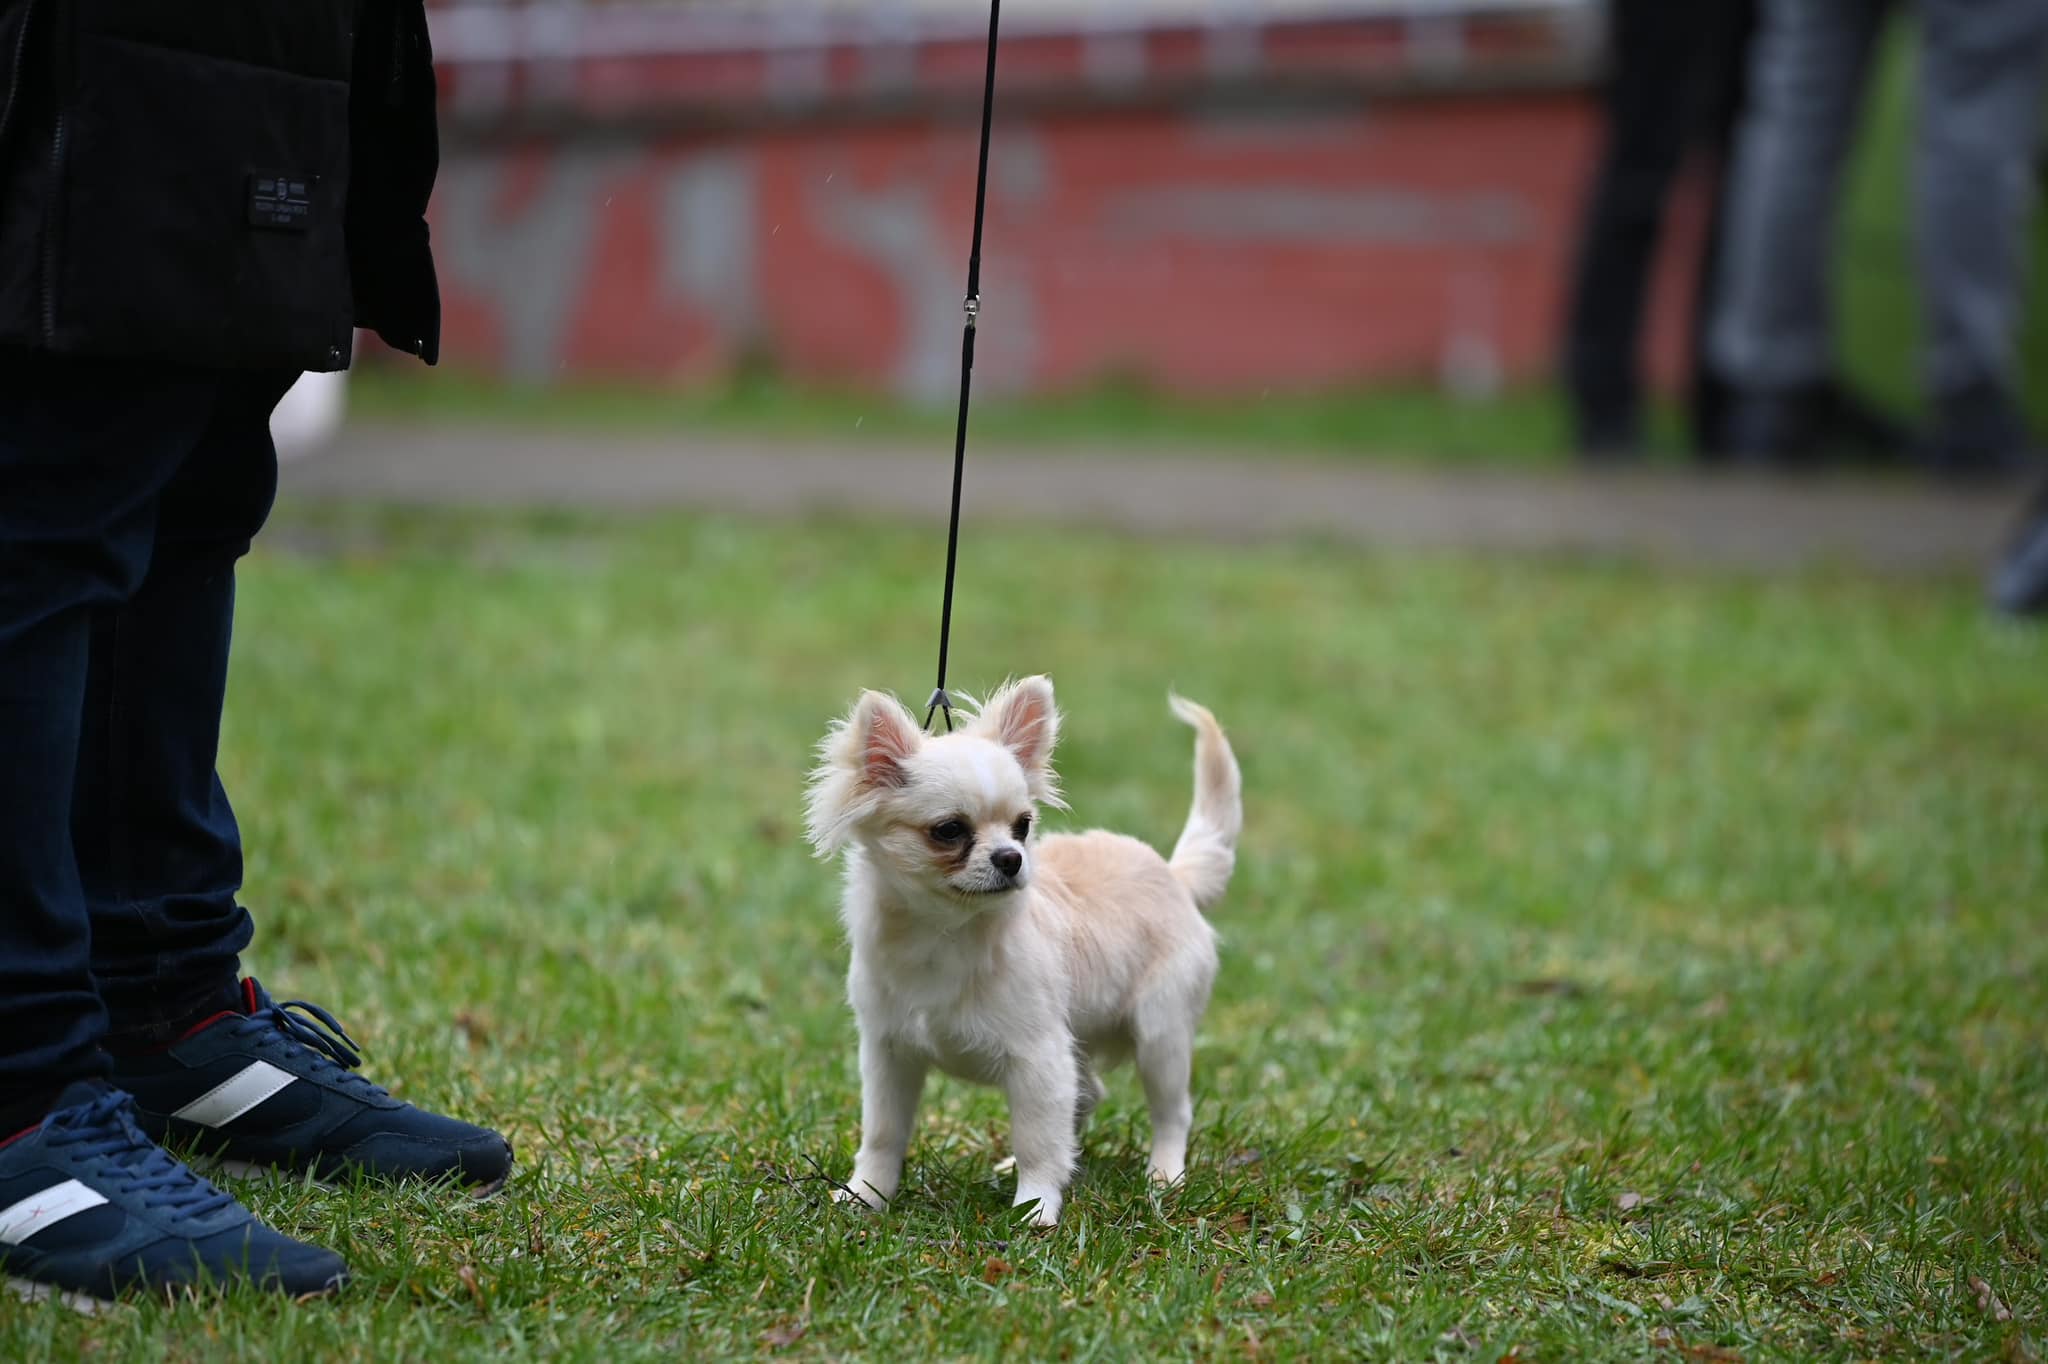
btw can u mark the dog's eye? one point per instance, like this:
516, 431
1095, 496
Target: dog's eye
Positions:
1021, 830
950, 831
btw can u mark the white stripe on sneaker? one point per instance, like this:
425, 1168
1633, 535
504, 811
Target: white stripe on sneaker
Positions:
39, 1211
236, 1095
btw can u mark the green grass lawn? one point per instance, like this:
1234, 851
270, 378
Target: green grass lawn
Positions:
1523, 427
1622, 964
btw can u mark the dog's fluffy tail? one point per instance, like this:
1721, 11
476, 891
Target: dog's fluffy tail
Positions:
1207, 850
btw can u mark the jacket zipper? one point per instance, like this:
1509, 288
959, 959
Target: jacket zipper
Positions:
53, 212
401, 41
51, 222
16, 68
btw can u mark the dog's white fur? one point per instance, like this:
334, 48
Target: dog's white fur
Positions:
1026, 963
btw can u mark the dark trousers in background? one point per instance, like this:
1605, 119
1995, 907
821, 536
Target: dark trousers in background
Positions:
1983, 67
127, 493
1674, 88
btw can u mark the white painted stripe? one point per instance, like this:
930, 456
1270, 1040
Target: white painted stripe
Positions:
40, 1211
236, 1095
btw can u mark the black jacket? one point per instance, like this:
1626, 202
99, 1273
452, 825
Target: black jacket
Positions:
228, 183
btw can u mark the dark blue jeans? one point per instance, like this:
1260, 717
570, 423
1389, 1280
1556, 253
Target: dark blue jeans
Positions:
127, 493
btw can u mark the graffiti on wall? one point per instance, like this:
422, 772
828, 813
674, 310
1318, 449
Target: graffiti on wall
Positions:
1219, 251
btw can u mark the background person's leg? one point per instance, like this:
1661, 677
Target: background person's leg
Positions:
1651, 49
158, 846
1771, 338
84, 450
1984, 64
1729, 28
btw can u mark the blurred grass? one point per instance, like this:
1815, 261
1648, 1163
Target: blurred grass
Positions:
1521, 428
1621, 963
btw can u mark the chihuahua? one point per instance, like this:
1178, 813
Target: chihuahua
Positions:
1006, 958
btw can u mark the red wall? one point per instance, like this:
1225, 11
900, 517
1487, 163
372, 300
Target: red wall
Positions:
1204, 246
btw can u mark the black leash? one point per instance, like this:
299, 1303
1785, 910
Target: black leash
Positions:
940, 700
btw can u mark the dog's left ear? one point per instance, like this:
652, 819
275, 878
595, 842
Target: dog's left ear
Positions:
1022, 718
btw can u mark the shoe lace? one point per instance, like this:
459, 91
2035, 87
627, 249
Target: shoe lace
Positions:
105, 1130
335, 1055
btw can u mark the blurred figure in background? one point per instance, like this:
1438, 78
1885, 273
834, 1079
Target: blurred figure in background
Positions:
2020, 586
1983, 65
1674, 86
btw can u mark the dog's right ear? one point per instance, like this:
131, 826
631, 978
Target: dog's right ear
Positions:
1023, 718
864, 758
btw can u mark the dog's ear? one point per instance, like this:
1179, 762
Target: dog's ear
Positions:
888, 735
864, 757
1022, 718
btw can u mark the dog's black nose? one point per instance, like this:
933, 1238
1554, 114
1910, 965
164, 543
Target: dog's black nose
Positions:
1008, 861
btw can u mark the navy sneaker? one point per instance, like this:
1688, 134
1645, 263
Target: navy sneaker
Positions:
276, 1085
90, 1208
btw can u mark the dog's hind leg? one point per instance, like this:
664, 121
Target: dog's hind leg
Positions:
1164, 1064
1091, 1092
1164, 1033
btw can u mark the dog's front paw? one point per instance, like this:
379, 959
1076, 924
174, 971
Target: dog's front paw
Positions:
1168, 1176
863, 1194
1047, 1213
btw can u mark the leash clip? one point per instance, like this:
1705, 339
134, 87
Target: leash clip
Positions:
971, 305
939, 702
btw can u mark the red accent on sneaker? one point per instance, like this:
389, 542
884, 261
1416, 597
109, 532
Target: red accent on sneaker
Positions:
202, 1026
35, 1126
248, 1007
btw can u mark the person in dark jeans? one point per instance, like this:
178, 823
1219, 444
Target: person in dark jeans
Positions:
197, 203
1673, 89
2019, 585
1982, 68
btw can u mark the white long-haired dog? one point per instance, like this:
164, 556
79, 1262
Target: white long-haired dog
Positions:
1008, 959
